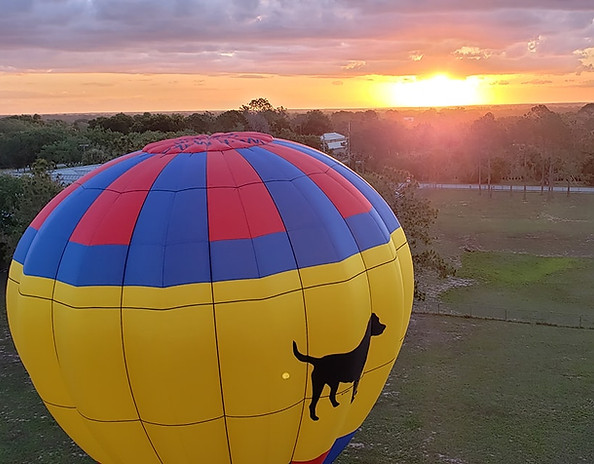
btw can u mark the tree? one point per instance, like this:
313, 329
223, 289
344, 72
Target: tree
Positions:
261, 116
120, 122
416, 215
20, 149
21, 200
588, 170
485, 138
315, 122
231, 121
309, 140
11, 191
200, 123
551, 138
257, 105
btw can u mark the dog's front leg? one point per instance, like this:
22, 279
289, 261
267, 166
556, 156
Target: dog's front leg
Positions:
317, 387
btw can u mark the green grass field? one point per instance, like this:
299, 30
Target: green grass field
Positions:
463, 391
529, 260
560, 226
470, 391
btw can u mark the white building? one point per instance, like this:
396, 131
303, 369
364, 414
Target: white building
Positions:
335, 144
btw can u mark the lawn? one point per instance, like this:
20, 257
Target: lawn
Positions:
475, 391
561, 225
529, 260
512, 286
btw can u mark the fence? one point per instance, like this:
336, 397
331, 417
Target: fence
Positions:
578, 321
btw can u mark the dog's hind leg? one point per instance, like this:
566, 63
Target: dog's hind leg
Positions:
333, 390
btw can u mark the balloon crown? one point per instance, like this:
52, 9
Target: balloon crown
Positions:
214, 142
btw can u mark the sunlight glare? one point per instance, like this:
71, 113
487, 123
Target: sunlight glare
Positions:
438, 90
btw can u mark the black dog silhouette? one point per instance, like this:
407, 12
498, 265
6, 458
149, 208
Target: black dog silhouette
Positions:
342, 367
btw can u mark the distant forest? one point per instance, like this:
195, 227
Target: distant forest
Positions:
538, 147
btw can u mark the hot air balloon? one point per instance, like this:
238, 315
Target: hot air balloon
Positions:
232, 298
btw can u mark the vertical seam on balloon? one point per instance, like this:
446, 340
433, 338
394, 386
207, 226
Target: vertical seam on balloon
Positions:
214, 315
247, 222
165, 241
302, 291
122, 315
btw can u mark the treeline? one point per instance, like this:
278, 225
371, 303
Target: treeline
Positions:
25, 138
539, 147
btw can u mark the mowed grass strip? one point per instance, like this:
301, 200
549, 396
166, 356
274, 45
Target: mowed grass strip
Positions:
468, 391
555, 290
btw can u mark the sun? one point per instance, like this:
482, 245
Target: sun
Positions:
437, 90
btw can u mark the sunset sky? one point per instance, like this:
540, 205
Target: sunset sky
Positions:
59, 56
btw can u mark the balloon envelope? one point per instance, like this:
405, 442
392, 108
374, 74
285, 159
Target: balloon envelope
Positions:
225, 298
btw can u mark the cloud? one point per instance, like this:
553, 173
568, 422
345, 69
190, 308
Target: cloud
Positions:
251, 76
537, 82
471, 53
354, 65
333, 38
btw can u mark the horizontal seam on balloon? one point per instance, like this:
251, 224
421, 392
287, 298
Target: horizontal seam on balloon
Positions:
51, 403
387, 363
247, 416
160, 189
185, 424
103, 421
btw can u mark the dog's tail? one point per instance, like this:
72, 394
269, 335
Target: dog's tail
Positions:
302, 357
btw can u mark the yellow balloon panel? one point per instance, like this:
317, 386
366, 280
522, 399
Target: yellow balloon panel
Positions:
259, 372
316, 437
205, 442
408, 284
30, 322
268, 439
89, 346
385, 289
125, 442
343, 308
76, 426
173, 354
